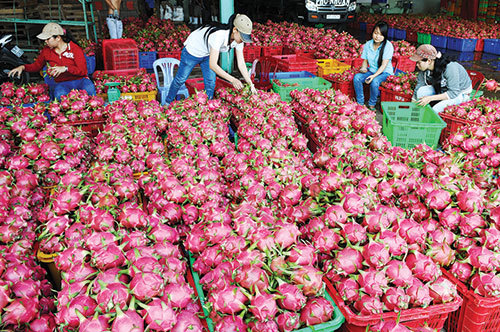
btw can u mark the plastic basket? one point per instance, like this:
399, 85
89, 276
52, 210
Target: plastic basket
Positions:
405, 64
195, 84
90, 64
148, 95
357, 63
316, 83
298, 51
411, 36
346, 88
492, 46
390, 33
146, 59
251, 52
423, 38
462, 45
453, 124
370, 27
290, 74
439, 41
331, 66
124, 72
294, 62
120, 54
434, 316
272, 50
92, 128
477, 313
170, 54
400, 34
407, 124
479, 45
362, 26
329, 326
390, 95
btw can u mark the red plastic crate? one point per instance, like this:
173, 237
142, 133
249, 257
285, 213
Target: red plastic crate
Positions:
123, 72
357, 63
405, 64
477, 313
346, 88
434, 315
92, 128
120, 54
479, 45
297, 51
389, 95
411, 36
170, 54
294, 62
194, 84
453, 124
272, 50
251, 52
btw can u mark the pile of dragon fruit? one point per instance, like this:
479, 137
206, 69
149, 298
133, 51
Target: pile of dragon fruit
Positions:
137, 82
10, 94
401, 83
278, 238
326, 44
479, 110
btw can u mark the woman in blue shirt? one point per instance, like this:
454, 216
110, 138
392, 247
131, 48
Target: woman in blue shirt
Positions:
377, 66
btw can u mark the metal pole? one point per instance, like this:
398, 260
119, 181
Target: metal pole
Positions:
226, 10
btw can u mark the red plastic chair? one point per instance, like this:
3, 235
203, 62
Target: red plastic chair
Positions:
477, 78
260, 72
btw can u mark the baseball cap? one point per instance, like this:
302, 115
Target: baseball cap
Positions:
244, 26
425, 51
49, 30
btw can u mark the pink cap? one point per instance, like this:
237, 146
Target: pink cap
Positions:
425, 51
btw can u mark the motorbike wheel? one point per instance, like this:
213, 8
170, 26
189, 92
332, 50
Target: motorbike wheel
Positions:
6, 66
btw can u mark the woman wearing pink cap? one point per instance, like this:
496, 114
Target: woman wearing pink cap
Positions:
440, 79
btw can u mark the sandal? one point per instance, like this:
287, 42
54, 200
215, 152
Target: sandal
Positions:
371, 108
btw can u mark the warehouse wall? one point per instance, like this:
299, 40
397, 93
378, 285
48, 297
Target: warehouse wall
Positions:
426, 6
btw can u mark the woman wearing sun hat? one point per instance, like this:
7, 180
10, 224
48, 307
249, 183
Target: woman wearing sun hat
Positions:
64, 59
440, 79
203, 47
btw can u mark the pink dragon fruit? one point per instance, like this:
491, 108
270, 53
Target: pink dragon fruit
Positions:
316, 311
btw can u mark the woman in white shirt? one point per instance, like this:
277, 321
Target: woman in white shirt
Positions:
203, 47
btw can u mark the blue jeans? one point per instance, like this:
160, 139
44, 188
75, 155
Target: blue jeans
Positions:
428, 90
360, 78
185, 67
63, 88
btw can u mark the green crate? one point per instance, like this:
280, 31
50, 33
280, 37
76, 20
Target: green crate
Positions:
330, 326
424, 38
316, 83
478, 94
407, 124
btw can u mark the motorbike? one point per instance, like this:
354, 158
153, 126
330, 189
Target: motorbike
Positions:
11, 56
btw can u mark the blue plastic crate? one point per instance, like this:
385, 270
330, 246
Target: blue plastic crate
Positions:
146, 59
362, 26
90, 64
439, 41
290, 74
399, 34
390, 33
492, 46
461, 44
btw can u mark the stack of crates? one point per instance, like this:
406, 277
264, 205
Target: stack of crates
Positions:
120, 54
483, 8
